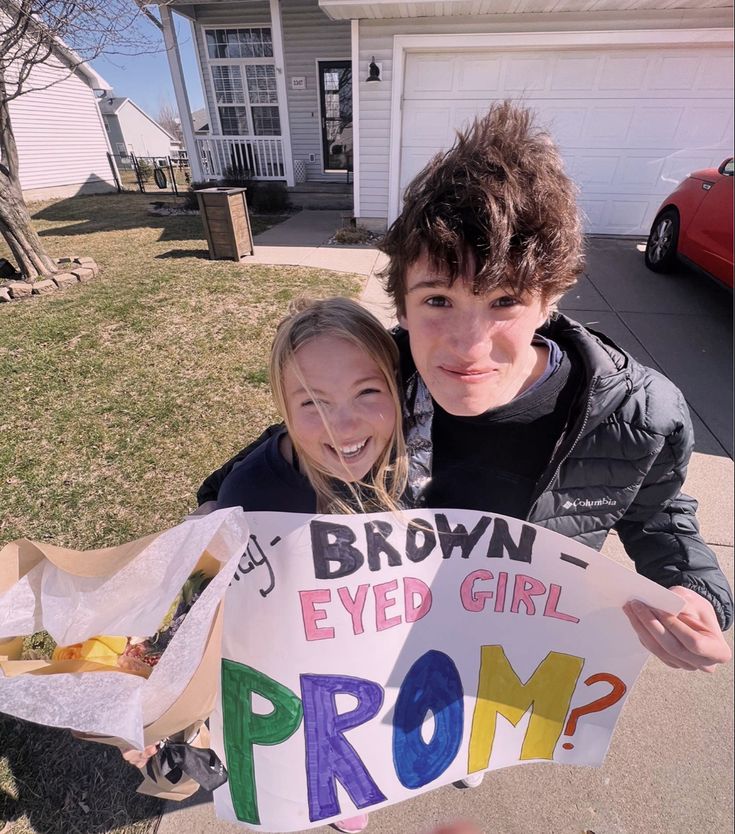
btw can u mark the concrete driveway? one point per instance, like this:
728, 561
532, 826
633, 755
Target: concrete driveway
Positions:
670, 766
680, 324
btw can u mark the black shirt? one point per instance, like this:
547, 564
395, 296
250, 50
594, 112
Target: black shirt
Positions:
493, 461
265, 481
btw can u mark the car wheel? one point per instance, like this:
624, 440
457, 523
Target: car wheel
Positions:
662, 242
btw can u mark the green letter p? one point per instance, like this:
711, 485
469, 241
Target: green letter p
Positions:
243, 729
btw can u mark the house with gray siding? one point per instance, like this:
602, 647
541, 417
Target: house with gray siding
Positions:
636, 93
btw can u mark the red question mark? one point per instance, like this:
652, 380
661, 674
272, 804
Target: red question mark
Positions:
616, 693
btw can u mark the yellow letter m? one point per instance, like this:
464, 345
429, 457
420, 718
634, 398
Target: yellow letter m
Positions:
547, 693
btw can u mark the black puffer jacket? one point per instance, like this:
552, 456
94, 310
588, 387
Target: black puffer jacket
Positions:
622, 466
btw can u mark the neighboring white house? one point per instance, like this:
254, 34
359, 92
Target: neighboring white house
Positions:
62, 143
131, 129
200, 120
637, 93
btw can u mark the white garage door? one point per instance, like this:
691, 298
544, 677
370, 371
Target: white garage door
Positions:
631, 122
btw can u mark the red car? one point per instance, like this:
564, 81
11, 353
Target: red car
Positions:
695, 223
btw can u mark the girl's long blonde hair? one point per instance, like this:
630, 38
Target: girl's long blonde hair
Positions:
345, 319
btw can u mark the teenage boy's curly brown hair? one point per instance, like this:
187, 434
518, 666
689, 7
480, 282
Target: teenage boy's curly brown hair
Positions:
498, 206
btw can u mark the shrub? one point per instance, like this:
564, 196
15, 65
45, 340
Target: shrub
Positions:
264, 197
189, 197
145, 171
236, 176
189, 201
268, 197
354, 234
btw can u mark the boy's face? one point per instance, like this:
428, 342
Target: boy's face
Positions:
473, 352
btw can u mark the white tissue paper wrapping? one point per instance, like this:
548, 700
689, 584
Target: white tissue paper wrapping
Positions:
133, 601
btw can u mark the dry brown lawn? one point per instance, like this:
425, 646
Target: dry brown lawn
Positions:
118, 397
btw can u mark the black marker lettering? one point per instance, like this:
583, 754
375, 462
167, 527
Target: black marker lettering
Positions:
459, 537
501, 542
339, 550
377, 533
416, 552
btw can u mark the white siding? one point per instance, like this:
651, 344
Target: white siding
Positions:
309, 36
376, 38
142, 135
459, 8
61, 140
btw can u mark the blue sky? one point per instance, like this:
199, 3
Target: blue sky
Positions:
146, 78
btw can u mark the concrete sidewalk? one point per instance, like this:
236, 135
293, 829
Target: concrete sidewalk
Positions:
303, 240
669, 768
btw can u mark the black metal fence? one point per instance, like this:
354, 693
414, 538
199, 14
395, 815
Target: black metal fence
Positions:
150, 174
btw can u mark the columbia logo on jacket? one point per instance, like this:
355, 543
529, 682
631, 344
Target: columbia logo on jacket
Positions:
589, 503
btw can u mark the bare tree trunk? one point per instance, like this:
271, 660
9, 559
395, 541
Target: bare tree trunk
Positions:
15, 220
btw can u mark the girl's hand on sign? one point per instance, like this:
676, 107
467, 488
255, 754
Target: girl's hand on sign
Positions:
691, 639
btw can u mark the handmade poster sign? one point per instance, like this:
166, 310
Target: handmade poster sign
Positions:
370, 658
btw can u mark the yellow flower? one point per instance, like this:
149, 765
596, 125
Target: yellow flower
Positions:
73, 652
104, 649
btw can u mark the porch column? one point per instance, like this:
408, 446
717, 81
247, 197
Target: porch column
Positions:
182, 99
356, 79
277, 32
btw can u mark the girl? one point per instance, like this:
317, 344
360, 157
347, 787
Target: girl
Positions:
333, 370
333, 374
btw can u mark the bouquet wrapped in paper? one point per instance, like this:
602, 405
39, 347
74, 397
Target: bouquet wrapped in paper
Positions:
131, 649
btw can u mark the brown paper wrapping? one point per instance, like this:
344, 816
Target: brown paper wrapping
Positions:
196, 701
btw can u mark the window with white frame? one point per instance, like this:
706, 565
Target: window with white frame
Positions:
229, 92
251, 42
244, 80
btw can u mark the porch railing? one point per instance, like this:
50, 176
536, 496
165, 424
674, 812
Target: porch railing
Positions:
259, 157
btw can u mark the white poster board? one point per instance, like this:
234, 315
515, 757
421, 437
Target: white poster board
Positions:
367, 659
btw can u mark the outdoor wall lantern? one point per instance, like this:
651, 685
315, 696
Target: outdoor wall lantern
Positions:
374, 70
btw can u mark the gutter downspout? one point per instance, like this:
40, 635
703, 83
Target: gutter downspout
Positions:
108, 144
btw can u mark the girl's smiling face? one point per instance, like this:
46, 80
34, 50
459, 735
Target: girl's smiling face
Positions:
341, 413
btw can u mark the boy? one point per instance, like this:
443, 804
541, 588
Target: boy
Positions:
514, 409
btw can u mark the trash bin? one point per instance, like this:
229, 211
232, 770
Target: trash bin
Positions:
299, 170
226, 221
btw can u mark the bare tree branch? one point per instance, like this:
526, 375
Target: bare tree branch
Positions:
148, 13
168, 118
63, 35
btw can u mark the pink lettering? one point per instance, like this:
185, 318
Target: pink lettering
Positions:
382, 603
500, 591
356, 606
312, 615
552, 602
526, 587
413, 588
474, 600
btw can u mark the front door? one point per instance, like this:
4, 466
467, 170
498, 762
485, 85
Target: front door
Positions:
335, 94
